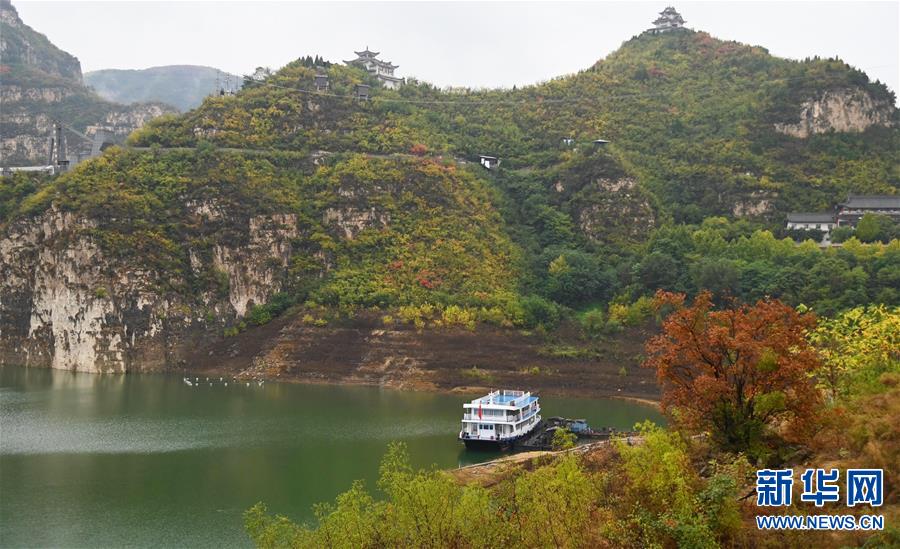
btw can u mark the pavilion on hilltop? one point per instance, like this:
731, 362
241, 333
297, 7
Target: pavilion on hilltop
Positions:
668, 20
382, 70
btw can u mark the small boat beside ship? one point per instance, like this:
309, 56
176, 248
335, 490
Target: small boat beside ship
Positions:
499, 419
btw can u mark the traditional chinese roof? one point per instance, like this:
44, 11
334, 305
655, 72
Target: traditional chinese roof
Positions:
379, 62
882, 201
669, 15
367, 53
810, 217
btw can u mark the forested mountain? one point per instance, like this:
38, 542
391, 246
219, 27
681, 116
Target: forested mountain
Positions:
182, 86
40, 83
225, 216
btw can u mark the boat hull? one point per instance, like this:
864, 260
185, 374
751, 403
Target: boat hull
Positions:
479, 444
505, 444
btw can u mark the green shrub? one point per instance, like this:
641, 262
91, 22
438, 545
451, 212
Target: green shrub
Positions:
259, 315
477, 373
593, 322
563, 439
632, 315
539, 312
457, 316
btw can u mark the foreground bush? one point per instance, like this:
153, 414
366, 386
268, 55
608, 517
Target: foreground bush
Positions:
648, 496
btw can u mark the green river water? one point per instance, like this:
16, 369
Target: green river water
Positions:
148, 461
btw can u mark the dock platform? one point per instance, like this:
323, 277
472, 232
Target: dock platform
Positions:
541, 438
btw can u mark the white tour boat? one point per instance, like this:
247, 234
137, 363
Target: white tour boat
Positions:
499, 419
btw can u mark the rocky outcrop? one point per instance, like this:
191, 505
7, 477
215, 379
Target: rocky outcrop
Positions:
13, 94
350, 221
251, 281
124, 120
847, 110
754, 205
65, 303
614, 209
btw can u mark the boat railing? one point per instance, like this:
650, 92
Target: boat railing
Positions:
487, 419
516, 418
490, 397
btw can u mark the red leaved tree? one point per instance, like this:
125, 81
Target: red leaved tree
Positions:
734, 372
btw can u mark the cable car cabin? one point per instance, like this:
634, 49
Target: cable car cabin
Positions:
489, 162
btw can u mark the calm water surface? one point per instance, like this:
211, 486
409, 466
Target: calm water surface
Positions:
147, 461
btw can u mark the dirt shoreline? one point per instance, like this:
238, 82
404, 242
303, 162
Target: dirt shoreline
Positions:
365, 352
431, 388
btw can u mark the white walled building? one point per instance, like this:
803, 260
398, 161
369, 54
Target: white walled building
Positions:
811, 221
382, 70
668, 20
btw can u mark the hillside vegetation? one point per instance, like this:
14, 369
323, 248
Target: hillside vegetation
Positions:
691, 121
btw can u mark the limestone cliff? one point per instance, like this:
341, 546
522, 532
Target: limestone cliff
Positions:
610, 209
847, 110
67, 303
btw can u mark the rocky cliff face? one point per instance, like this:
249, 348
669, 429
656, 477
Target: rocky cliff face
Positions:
40, 83
66, 303
848, 110
123, 120
614, 209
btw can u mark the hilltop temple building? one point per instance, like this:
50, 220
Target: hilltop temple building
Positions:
382, 70
668, 20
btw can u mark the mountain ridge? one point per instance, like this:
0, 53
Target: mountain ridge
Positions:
281, 200
182, 86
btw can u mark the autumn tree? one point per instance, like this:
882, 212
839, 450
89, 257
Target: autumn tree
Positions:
734, 371
857, 347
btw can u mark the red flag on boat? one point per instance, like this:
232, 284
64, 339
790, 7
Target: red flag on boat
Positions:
479, 410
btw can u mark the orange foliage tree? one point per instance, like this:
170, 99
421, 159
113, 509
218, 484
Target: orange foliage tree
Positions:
735, 372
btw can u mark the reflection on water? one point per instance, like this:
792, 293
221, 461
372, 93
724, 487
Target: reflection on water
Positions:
146, 460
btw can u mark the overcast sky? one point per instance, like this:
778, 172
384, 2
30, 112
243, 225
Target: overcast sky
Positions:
449, 43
